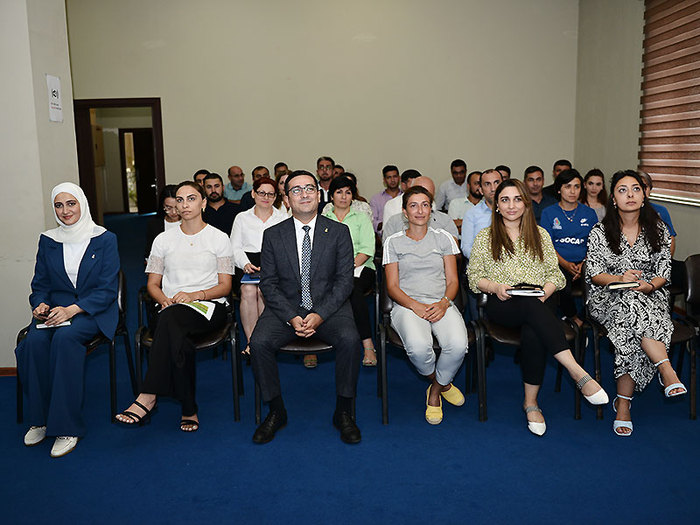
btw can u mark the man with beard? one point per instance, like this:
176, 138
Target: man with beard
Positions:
219, 212
458, 207
452, 189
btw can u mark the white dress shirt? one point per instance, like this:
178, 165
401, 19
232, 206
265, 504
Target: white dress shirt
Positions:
300, 235
72, 256
247, 233
448, 191
392, 207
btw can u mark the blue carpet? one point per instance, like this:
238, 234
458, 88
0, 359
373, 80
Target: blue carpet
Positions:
406, 472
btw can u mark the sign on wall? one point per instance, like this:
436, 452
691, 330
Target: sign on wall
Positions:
55, 105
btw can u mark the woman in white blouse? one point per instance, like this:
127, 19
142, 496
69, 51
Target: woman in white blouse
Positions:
188, 267
246, 241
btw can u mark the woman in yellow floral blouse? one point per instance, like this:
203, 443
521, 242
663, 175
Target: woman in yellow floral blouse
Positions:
514, 250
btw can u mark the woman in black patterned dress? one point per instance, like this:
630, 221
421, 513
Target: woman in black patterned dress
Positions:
632, 244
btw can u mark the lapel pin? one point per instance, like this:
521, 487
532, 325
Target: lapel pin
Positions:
326, 230
93, 255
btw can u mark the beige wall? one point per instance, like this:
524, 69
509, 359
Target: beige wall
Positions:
36, 154
111, 119
608, 100
409, 82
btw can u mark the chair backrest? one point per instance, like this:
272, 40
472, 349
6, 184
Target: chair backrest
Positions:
121, 293
692, 299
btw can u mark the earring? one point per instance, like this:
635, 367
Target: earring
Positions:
642, 205
614, 204
497, 210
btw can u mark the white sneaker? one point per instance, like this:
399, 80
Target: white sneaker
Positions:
63, 445
34, 436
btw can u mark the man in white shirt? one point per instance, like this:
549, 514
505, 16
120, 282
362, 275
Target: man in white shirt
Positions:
324, 171
306, 278
395, 205
458, 207
452, 189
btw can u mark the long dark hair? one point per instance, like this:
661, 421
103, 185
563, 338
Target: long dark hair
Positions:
602, 196
649, 220
529, 234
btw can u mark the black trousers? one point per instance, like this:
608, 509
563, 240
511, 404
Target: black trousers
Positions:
358, 301
171, 364
541, 331
338, 330
567, 305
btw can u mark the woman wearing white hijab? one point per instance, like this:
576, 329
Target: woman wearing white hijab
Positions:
75, 282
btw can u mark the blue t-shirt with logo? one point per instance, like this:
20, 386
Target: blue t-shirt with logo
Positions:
569, 230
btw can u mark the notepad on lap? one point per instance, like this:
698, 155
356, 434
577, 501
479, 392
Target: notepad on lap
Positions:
621, 285
526, 290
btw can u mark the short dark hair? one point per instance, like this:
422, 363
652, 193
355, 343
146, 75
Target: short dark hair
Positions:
566, 177
491, 170
279, 165
477, 172
410, 174
191, 184
214, 176
532, 169
199, 172
561, 162
342, 181
389, 167
415, 190
264, 180
458, 163
256, 168
503, 167
318, 161
297, 173
338, 166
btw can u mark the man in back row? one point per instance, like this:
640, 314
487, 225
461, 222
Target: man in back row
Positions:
458, 207
558, 167
452, 189
219, 212
392, 179
237, 185
534, 180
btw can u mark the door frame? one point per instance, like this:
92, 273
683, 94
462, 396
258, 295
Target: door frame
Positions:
122, 162
83, 137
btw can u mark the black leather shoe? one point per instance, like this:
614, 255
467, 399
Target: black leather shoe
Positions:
266, 431
349, 432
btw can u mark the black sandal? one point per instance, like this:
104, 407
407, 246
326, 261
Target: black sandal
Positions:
135, 418
192, 422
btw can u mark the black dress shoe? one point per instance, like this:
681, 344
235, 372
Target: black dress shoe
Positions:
349, 432
266, 431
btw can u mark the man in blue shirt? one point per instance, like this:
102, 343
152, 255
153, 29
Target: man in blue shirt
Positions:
237, 186
479, 217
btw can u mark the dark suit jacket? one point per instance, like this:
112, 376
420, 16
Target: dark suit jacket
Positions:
97, 285
331, 270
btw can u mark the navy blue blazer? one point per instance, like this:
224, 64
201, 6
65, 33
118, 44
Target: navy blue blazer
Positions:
97, 284
332, 265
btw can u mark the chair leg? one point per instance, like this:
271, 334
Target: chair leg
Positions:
383, 377
596, 361
20, 400
235, 365
481, 358
579, 356
138, 363
258, 402
693, 380
113, 380
557, 383
130, 363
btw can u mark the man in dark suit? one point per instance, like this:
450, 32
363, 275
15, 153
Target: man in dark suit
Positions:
306, 279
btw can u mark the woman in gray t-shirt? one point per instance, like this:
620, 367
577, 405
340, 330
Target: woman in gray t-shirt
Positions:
421, 277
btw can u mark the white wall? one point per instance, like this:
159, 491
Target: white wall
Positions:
608, 100
36, 154
410, 82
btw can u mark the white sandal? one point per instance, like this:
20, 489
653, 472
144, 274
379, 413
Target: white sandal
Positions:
674, 386
619, 423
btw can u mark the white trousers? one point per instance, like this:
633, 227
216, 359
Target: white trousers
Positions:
417, 337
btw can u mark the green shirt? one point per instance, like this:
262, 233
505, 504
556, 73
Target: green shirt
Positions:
521, 267
361, 233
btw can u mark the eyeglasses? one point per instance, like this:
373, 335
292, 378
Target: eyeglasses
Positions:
309, 189
268, 194
325, 168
